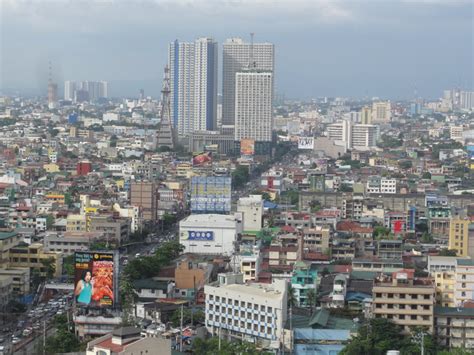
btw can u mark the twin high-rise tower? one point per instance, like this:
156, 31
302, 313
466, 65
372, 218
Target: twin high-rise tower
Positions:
247, 87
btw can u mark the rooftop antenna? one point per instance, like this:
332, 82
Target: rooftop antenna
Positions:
252, 63
50, 72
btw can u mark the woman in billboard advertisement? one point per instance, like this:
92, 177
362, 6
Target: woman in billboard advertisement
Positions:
85, 288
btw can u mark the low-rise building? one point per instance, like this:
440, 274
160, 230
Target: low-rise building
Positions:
252, 210
128, 341
33, 256
251, 311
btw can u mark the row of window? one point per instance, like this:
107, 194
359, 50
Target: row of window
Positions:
403, 317
242, 324
403, 306
248, 305
402, 296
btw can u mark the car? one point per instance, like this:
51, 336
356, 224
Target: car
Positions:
2, 340
2, 348
15, 341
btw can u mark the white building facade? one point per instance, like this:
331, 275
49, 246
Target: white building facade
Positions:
209, 234
255, 312
252, 210
253, 105
193, 85
236, 56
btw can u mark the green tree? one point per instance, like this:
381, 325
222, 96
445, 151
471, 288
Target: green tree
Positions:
240, 176
426, 175
311, 299
405, 164
447, 252
197, 317
64, 340
381, 231
68, 266
50, 267
292, 301
49, 221
213, 346
427, 238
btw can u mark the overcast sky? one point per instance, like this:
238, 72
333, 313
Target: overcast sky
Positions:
385, 48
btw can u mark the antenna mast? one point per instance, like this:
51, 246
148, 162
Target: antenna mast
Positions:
251, 61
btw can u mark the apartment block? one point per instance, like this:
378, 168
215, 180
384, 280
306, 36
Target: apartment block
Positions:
454, 327
404, 300
459, 236
464, 282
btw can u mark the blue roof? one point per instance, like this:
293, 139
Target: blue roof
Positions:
317, 349
357, 296
270, 205
310, 334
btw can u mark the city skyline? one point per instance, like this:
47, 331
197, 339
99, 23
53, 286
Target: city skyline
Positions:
323, 48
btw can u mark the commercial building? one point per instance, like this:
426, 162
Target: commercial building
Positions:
127, 341
211, 234
455, 133
143, 194
6, 291
114, 230
454, 327
237, 55
303, 280
254, 108
404, 300
252, 212
364, 136
193, 85
69, 242
256, 312
95, 325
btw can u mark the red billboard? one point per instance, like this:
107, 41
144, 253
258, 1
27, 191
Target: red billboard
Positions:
202, 158
94, 279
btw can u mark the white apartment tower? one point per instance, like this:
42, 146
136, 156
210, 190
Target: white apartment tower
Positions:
193, 85
69, 88
236, 56
253, 105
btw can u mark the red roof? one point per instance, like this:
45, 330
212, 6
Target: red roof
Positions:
316, 256
354, 227
410, 273
115, 348
342, 268
288, 229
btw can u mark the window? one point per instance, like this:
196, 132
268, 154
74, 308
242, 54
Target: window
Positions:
414, 297
426, 318
401, 316
390, 295
401, 306
463, 277
426, 307
402, 295
218, 298
413, 317
463, 294
378, 305
426, 297
262, 308
390, 316
390, 306
463, 285
269, 309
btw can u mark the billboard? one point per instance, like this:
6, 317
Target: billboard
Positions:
202, 158
306, 143
247, 146
201, 235
94, 278
211, 194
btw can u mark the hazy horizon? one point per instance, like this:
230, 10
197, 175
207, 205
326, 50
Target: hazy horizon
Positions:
323, 48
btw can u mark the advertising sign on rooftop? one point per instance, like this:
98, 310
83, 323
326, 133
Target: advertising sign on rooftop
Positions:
211, 194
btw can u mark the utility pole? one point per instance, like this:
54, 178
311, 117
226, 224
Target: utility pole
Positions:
44, 337
181, 331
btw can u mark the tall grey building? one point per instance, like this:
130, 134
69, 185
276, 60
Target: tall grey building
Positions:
193, 85
236, 56
253, 107
95, 89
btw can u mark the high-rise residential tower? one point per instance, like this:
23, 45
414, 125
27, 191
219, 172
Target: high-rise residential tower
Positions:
193, 85
253, 108
237, 56
69, 89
